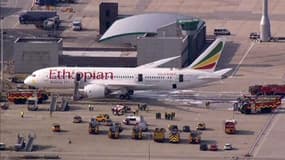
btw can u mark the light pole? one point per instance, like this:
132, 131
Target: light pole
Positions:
2, 50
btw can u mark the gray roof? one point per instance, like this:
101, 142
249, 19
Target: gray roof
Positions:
140, 24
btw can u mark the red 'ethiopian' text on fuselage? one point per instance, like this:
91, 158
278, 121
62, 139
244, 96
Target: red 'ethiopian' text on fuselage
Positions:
85, 76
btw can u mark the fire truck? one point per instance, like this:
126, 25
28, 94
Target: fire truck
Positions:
272, 89
230, 126
21, 96
257, 104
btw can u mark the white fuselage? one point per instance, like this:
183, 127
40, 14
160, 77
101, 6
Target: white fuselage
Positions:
137, 78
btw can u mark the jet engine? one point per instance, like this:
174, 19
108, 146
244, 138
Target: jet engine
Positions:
95, 91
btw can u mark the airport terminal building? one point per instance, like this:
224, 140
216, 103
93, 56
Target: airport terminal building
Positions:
159, 35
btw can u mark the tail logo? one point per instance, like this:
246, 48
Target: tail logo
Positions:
211, 59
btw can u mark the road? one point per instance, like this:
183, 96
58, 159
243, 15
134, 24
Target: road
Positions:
272, 145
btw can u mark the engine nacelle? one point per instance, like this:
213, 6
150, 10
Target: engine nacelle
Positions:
95, 91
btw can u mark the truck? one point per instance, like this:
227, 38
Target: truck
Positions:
174, 135
159, 134
257, 104
230, 126
93, 126
195, 137
271, 89
40, 18
21, 96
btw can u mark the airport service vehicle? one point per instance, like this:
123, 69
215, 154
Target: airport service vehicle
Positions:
133, 120
195, 137
56, 127
21, 96
174, 136
102, 117
172, 127
186, 128
142, 125
159, 134
77, 119
32, 103
101, 82
120, 109
93, 126
114, 131
201, 126
76, 25
228, 146
108, 122
4, 101
137, 133
258, 104
221, 31
271, 89
230, 126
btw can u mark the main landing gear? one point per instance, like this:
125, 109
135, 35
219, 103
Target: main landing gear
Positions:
127, 95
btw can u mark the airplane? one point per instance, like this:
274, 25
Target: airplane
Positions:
101, 82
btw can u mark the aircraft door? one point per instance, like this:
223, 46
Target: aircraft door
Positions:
140, 77
181, 78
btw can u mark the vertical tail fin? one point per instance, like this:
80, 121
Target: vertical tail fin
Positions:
208, 60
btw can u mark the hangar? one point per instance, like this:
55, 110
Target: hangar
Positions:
159, 35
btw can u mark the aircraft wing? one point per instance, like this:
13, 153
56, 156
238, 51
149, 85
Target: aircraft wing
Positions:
157, 63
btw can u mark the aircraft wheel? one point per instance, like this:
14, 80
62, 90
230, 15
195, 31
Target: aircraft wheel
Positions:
122, 96
128, 96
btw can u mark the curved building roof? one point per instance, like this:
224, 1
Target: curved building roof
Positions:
140, 24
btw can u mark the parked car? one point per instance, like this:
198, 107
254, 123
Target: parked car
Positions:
213, 147
203, 147
254, 36
228, 146
221, 31
76, 25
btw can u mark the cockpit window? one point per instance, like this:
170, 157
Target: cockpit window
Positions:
33, 75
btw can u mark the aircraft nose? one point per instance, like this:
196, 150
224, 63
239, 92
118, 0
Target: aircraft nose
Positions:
28, 81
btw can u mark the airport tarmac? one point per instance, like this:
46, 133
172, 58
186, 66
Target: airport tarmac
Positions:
86, 146
252, 63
